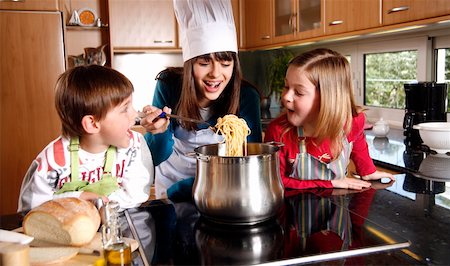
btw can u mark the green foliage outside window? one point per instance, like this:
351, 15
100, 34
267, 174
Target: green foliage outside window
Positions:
385, 75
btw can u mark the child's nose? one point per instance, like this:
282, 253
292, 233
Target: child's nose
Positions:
215, 71
287, 95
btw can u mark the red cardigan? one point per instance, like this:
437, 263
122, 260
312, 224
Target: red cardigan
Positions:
359, 155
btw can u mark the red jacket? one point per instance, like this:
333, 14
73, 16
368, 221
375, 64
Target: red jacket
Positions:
359, 155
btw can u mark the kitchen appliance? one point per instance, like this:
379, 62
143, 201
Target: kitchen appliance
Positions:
241, 189
425, 102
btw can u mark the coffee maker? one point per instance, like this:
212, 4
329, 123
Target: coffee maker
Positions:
425, 102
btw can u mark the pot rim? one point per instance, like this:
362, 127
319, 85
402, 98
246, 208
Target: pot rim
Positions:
275, 145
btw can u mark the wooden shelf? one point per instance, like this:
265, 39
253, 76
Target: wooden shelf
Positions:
74, 27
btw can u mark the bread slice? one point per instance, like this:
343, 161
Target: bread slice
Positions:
66, 221
50, 255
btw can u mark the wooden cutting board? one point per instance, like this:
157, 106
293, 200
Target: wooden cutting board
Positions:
80, 257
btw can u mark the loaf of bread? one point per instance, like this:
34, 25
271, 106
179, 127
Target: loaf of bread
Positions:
66, 221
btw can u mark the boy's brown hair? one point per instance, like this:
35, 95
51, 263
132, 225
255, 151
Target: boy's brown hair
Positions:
88, 90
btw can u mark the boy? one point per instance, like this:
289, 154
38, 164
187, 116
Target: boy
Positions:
97, 154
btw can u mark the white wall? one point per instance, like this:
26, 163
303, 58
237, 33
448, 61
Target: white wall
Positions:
142, 69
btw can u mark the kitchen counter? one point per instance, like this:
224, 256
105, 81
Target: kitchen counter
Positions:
312, 226
401, 223
417, 205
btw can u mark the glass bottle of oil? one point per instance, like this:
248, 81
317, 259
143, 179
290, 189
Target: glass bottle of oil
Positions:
116, 250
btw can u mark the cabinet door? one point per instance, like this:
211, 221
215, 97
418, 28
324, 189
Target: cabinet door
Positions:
349, 15
237, 21
296, 20
397, 11
142, 24
284, 22
258, 22
29, 70
49, 5
309, 18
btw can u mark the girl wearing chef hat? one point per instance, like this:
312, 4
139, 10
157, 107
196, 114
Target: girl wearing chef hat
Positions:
208, 86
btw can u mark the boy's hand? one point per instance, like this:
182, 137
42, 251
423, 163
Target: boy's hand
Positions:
91, 196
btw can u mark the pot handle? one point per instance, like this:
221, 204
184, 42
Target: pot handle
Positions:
275, 143
416, 127
198, 156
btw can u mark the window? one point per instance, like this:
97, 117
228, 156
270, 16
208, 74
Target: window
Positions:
443, 67
381, 67
384, 77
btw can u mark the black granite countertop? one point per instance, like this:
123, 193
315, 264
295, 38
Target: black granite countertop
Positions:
417, 205
402, 223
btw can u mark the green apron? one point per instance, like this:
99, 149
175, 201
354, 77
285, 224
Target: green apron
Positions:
104, 187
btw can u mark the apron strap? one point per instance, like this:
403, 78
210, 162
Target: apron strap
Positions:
74, 146
109, 161
301, 140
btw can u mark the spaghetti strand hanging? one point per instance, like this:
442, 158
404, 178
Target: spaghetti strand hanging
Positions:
235, 131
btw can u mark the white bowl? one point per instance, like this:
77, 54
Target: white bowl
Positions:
435, 135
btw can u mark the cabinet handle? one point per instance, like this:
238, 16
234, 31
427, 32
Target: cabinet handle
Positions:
398, 9
12, 0
158, 41
292, 22
265, 37
336, 22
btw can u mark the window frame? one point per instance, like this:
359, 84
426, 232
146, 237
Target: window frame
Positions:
358, 49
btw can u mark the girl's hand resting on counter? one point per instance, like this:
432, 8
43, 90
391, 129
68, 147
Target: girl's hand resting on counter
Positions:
377, 175
350, 183
151, 122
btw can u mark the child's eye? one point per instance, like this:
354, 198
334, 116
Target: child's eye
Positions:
298, 93
225, 63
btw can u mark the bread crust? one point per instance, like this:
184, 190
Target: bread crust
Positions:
67, 221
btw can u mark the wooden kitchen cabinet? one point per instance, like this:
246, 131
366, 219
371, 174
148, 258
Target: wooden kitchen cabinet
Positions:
296, 19
279, 21
349, 15
34, 5
258, 22
142, 24
398, 11
31, 59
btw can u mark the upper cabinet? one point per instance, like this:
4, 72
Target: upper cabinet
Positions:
237, 21
277, 21
142, 24
398, 11
43, 5
297, 19
257, 22
350, 15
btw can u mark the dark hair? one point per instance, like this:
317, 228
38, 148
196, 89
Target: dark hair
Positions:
228, 101
88, 90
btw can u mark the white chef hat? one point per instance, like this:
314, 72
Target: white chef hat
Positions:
206, 26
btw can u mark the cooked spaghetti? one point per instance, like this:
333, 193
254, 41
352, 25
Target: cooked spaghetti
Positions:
235, 132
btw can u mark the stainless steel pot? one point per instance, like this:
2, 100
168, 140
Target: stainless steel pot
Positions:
238, 190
